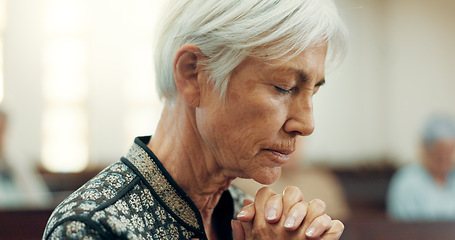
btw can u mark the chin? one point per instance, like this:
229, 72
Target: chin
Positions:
267, 176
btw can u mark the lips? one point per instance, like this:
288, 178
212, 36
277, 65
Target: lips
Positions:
281, 156
283, 151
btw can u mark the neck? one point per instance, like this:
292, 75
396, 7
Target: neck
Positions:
179, 147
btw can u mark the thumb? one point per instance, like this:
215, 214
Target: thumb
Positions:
247, 212
237, 230
247, 201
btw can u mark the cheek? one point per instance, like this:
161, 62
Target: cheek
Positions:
260, 112
253, 128
242, 126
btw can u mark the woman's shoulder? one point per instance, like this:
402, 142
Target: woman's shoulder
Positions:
106, 187
411, 176
410, 171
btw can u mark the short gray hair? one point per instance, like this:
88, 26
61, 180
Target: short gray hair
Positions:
229, 31
438, 127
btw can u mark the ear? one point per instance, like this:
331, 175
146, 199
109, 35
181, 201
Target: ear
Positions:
187, 71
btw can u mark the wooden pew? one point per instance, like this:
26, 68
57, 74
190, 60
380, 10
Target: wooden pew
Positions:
384, 229
23, 224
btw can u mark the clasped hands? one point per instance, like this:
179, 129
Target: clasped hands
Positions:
287, 216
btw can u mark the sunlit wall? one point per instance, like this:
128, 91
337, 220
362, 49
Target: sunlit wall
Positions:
86, 88
399, 71
2, 28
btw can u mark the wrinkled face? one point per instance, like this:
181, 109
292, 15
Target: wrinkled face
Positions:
252, 133
440, 157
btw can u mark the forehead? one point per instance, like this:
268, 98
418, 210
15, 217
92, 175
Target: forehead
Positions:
442, 144
308, 64
445, 142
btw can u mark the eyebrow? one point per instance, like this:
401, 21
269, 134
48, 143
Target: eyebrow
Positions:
320, 83
304, 78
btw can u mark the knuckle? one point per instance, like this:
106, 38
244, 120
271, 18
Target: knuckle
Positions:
323, 221
319, 204
266, 191
298, 210
293, 192
275, 200
327, 217
300, 207
291, 189
338, 225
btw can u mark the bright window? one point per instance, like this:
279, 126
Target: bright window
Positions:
97, 66
65, 118
2, 27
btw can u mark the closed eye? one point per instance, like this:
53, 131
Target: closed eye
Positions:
284, 91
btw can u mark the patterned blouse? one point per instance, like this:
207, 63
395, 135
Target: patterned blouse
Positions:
136, 198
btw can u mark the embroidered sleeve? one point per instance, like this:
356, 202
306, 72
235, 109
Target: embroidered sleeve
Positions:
74, 230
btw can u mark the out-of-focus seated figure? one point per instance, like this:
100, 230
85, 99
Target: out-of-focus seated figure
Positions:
315, 183
425, 191
19, 188
10, 194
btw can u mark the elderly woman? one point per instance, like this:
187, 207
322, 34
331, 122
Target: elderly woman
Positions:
237, 77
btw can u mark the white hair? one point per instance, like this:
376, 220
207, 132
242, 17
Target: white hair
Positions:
229, 31
438, 127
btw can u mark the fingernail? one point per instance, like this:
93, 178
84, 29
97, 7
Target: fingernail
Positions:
271, 214
310, 232
289, 222
241, 214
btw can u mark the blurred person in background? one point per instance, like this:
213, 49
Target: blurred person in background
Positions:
315, 183
10, 193
425, 191
20, 187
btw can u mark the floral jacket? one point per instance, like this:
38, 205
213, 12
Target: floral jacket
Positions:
136, 198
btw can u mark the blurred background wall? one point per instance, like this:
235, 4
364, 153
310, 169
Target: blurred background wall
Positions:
399, 70
78, 80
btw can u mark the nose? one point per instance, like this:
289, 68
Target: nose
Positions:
300, 120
